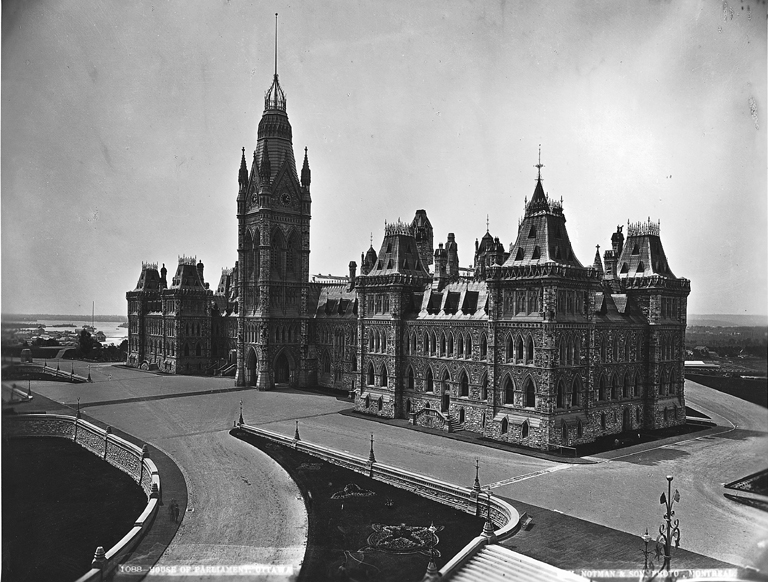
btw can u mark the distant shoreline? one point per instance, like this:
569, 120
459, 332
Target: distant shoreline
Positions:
53, 317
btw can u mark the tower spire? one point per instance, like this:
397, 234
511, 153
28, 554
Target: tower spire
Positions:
306, 175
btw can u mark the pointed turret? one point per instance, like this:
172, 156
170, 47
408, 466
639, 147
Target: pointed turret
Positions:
598, 264
306, 174
243, 174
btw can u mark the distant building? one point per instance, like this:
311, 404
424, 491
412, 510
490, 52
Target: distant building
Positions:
528, 347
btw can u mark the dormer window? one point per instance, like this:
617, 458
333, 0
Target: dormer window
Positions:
532, 233
640, 267
389, 264
625, 268
536, 253
389, 247
520, 254
635, 250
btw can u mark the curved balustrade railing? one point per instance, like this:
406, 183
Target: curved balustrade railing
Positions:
115, 450
504, 517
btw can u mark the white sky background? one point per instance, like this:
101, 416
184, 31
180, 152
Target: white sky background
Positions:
122, 125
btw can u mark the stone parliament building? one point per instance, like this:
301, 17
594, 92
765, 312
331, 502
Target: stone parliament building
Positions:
529, 346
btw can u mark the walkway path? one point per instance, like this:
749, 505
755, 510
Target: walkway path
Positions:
620, 491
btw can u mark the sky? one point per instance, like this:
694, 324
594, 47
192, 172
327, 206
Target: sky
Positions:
123, 123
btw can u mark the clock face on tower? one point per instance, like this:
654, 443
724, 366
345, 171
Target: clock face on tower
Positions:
285, 199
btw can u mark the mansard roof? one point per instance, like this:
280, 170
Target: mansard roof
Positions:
643, 254
332, 301
399, 253
542, 236
463, 299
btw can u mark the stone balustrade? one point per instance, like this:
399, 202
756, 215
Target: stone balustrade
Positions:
503, 516
120, 453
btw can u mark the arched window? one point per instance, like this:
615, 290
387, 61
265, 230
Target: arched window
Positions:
602, 349
384, 375
563, 350
367, 401
602, 420
426, 343
509, 391
413, 343
524, 430
665, 414
464, 384
377, 342
637, 415
614, 384
430, 381
564, 432
559, 395
198, 350
530, 394
519, 349
433, 346
504, 425
510, 349
601, 388
625, 386
615, 347
484, 389
483, 347
408, 406
411, 381
626, 350
450, 345
529, 352
461, 416
442, 344
370, 340
384, 341
371, 376
277, 253
354, 362
575, 392
460, 346
380, 404
326, 363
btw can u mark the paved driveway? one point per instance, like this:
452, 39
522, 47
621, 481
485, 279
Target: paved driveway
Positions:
227, 481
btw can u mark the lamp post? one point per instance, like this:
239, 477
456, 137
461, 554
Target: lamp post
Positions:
672, 531
647, 540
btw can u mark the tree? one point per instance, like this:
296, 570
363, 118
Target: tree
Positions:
86, 341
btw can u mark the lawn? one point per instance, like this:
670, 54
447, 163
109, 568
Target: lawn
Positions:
59, 503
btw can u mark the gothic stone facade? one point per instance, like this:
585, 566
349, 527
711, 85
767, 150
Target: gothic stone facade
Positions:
531, 347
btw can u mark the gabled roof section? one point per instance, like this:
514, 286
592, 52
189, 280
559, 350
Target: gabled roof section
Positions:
399, 253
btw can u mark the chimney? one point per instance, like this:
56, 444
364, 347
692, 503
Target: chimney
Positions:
441, 265
352, 274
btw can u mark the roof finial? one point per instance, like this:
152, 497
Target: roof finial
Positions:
275, 44
372, 238
539, 165
487, 224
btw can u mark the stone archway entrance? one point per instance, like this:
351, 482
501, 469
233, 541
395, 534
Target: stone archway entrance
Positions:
282, 369
446, 402
251, 368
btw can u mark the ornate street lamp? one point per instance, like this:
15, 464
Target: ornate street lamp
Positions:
672, 530
669, 531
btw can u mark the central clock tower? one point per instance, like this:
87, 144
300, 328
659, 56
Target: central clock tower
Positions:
273, 216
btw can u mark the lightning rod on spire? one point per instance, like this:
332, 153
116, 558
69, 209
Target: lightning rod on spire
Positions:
275, 44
